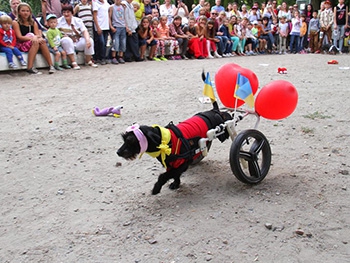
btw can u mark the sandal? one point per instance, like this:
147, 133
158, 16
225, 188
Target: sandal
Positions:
75, 66
92, 64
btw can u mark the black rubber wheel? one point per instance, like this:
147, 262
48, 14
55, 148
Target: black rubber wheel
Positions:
201, 157
250, 156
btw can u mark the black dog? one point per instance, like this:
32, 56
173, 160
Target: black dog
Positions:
174, 146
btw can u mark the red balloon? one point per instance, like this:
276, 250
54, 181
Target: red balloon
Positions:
225, 83
276, 100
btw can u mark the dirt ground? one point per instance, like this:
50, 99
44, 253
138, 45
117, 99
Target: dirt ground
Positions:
67, 197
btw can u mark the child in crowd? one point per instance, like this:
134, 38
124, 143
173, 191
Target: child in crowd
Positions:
8, 42
118, 29
314, 29
225, 34
160, 45
195, 46
54, 36
211, 39
275, 32
262, 41
201, 28
83, 10
283, 34
267, 35
326, 22
175, 29
303, 30
234, 37
251, 40
168, 41
140, 12
294, 46
146, 38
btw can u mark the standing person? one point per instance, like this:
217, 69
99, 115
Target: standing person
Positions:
339, 24
8, 42
167, 9
83, 10
182, 11
118, 30
283, 33
176, 32
132, 41
54, 36
217, 7
284, 11
326, 21
52, 7
76, 37
29, 38
101, 29
314, 29
303, 31
195, 11
295, 33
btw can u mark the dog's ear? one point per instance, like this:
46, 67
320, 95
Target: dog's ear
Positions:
153, 137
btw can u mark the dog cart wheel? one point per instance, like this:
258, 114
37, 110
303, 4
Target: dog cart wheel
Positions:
250, 156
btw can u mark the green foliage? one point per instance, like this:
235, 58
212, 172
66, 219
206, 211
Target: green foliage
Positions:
35, 4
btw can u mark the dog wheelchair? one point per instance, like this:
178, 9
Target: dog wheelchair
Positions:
250, 152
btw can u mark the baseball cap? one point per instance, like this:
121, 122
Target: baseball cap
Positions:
49, 16
255, 22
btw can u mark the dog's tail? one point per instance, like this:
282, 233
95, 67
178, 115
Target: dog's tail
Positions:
215, 103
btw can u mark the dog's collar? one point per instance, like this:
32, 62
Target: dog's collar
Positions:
163, 147
140, 136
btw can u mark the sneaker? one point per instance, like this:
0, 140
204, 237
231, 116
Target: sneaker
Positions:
12, 65
201, 57
156, 59
177, 57
115, 61
139, 59
52, 70
23, 63
103, 62
121, 61
66, 66
58, 68
33, 71
163, 59
184, 57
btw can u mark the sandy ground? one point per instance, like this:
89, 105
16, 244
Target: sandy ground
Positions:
65, 199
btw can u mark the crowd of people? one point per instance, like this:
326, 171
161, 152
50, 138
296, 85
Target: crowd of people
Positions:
139, 30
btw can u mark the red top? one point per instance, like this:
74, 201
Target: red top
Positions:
7, 38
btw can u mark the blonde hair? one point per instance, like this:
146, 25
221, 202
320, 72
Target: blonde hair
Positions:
5, 19
19, 18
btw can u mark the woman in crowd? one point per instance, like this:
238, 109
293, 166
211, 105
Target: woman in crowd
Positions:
76, 38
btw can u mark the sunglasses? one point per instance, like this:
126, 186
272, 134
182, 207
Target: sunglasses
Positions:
214, 14
65, 1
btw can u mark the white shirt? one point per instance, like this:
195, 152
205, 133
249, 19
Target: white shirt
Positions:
102, 13
67, 29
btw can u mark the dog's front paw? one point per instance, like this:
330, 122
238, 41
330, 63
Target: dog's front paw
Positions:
156, 189
174, 186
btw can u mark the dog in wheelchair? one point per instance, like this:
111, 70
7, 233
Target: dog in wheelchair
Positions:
175, 146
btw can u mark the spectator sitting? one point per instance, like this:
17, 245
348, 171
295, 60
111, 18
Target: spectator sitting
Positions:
146, 38
8, 41
54, 36
176, 32
76, 37
29, 38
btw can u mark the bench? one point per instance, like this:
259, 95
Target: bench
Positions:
39, 61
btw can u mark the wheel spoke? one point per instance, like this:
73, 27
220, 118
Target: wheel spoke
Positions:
255, 169
258, 146
246, 155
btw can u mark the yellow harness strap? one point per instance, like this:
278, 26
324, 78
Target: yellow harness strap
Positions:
164, 148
